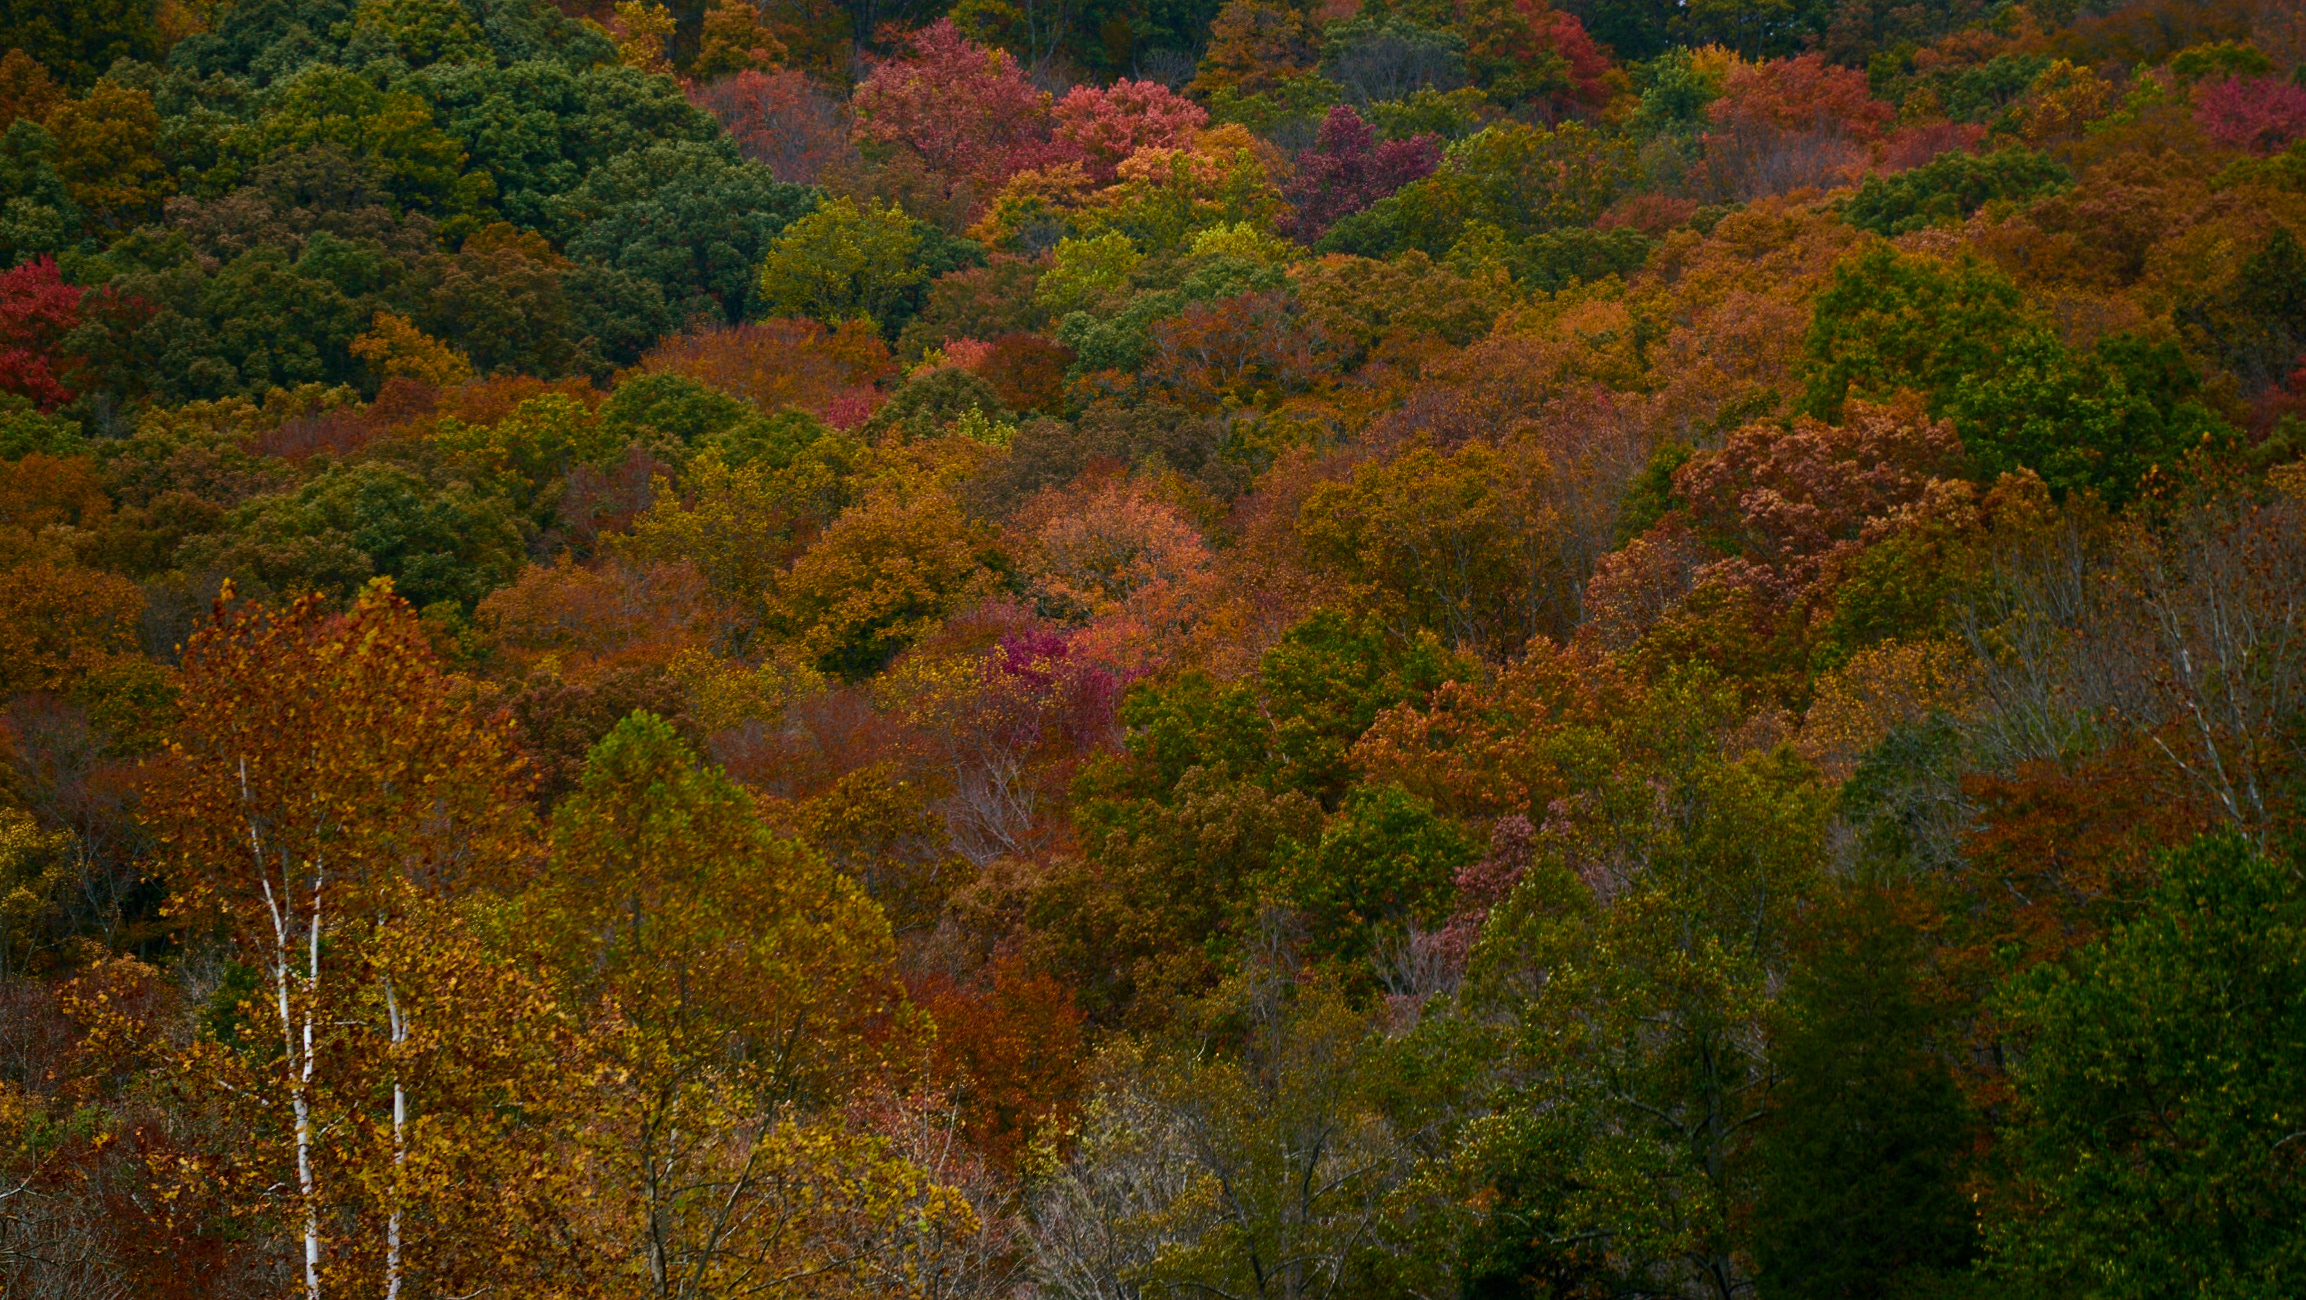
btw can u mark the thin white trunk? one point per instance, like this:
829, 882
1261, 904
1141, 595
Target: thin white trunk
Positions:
303, 1104
399, 1145
281, 911
303, 1110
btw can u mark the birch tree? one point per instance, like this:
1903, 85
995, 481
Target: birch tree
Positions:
326, 777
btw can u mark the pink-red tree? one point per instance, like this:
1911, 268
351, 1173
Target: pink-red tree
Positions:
37, 309
778, 119
967, 112
1346, 170
1105, 124
2260, 114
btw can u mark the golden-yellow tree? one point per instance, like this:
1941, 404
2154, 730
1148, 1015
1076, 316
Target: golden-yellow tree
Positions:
739, 989
327, 797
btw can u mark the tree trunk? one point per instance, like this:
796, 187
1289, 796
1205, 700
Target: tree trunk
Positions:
392, 1270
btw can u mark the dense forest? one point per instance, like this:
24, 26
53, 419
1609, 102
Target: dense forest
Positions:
1153, 649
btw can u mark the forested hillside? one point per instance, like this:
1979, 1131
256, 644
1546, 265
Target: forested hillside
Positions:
1153, 649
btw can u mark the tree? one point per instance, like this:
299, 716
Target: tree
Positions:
1243, 353
1862, 1159
875, 825
966, 112
733, 40
81, 41
1388, 60
1087, 273
1459, 545
1802, 498
780, 120
2256, 324
829, 371
1292, 726
844, 262
324, 778
421, 32
1789, 123
1014, 1045
26, 89
538, 126
39, 215
1382, 872
1283, 1155
1891, 321
1635, 31
1119, 553
1952, 187
1346, 170
592, 620
997, 734
1027, 372
747, 508
1524, 180
530, 454
2152, 1146
504, 299
947, 399
1378, 309
1165, 199
59, 620
733, 976
37, 310
1253, 46
1801, 94
393, 130
883, 575
689, 218
106, 154
673, 407
395, 346
985, 302
1169, 891
2260, 114
1551, 262
262, 320
1525, 51
453, 542
1640, 956
485, 1070
1103, 125
561, 717
2102, 420
644, 32
1100, 1220
2063, 101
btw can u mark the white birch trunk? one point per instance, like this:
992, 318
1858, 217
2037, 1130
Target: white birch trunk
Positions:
304, 1106
280, 908
399, 1145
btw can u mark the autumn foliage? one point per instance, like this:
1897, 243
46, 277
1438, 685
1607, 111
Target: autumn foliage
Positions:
1007, 651
37, 309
